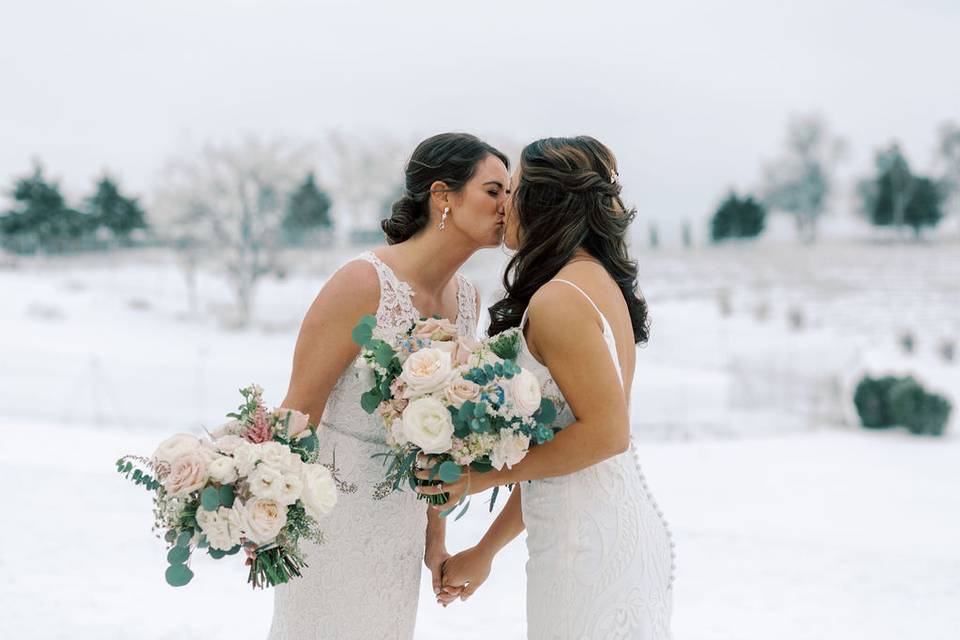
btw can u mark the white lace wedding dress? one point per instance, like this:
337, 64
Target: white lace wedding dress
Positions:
363, 582
601, 558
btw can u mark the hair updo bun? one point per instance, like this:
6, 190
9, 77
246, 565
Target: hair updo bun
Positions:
451, 158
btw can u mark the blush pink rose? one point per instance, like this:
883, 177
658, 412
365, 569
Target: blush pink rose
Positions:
434, 329
188, 473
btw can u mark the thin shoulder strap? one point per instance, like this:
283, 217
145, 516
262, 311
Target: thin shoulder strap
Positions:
589, 299
603, 318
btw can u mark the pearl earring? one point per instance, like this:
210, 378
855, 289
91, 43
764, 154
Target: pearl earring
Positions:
443, 218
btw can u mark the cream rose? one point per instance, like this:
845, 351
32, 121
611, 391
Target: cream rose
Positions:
222, 470
427, 424
176, 446
425, 371
222, 527
228, 444
524, 391
319, 493
460, 390
187, 473
262, 519
508, 450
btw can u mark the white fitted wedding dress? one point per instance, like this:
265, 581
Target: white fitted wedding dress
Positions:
601, 558
363, 582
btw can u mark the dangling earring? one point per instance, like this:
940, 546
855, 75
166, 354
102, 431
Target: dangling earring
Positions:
443, 218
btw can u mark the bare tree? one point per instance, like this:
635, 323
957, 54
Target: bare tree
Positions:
948, 161
800, 181
363, 172
225, 203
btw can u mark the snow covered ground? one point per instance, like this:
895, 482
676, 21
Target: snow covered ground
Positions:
791, 522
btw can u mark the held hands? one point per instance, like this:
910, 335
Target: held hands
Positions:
434, 561
466, 571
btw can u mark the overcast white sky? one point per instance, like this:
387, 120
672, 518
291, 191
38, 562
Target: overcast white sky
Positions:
692, 96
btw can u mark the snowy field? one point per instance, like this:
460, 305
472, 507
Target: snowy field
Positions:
791, 522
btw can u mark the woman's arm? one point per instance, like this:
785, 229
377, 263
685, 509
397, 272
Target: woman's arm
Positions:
325, 346
567, 334
472, 566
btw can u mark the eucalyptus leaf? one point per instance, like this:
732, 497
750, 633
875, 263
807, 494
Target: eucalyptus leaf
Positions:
493, 497
370, 401
183, 540
450, 472
210, 499
227, 495
362, 334
178, 575
178, 555
216, 554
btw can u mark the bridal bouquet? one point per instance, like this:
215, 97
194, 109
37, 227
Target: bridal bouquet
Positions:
254, 484
462, 401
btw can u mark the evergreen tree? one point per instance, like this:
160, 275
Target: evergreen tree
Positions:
112, 210
895, 197
41, 217
737, 218
307, 210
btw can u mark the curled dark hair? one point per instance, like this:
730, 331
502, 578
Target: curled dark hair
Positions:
451, 158
568, 198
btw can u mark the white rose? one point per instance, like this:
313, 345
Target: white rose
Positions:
427, 424
262, 519
425, 371
524, 390
274, 454
245, 456
228, 444
176, 446
265, 481
508, 450
222, 470
290, 489
221, 527
319, 493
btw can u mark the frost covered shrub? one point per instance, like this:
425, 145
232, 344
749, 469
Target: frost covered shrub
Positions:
889, 401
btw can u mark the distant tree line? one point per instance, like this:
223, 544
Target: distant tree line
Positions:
801, 181
42, 220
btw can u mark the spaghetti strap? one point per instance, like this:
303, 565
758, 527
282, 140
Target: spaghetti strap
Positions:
589, 299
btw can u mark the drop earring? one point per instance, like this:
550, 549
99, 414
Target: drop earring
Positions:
443, 218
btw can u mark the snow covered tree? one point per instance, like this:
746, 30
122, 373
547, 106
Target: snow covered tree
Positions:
800, 181
737, 218
225, 204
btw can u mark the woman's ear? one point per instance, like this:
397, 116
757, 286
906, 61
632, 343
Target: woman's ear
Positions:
439, 195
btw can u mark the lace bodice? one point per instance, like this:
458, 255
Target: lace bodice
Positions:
601, 557
364, 581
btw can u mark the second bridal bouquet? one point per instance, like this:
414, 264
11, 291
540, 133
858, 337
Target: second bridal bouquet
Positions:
464, 402
255, 485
